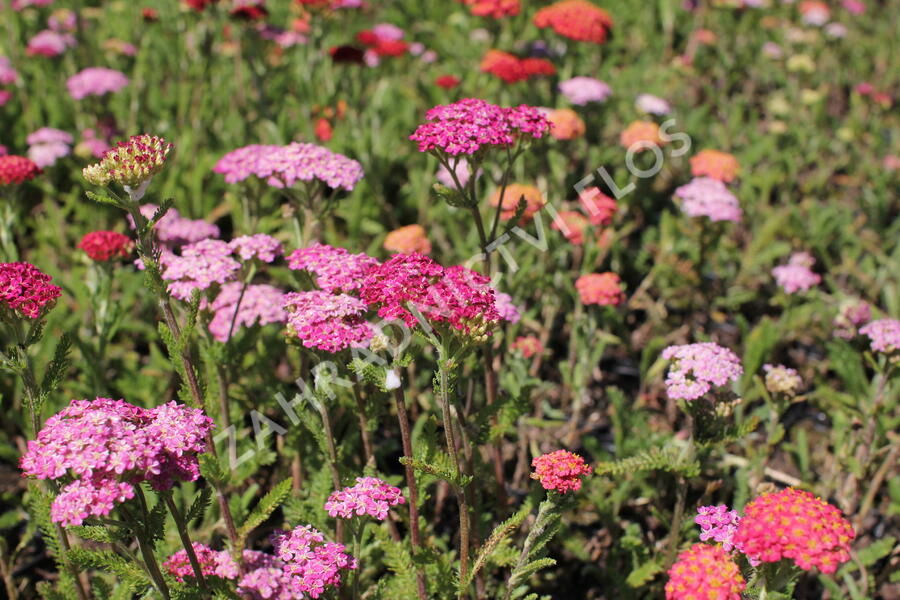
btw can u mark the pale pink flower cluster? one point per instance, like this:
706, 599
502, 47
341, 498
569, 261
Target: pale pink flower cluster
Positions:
283, 166
696, 368
719, 524
707, 197
884, 335
782, 380
462, 171
851, 314
109, 446
797, 275
47, 145
653, 105
581, 90
335, 269
313, 563
259, 246
200, 266
326, 321
261, 304
95, 81
174, 231
506, 308
370, 496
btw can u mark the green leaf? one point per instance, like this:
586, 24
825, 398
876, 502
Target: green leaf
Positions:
267, 505
200, 504
643, 574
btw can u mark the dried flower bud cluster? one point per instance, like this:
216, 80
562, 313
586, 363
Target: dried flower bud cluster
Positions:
130, 163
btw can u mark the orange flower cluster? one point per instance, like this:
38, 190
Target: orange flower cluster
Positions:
714, 164
496, 9
408, 240
511, 69
514, 192
576, 19
641, 131
565, 124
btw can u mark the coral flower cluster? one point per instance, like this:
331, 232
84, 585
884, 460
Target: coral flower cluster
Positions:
103, 246
604, 289
284, 166
130, 163
704, 571
512, 195
495, 9
577, 20
408, 239
26, 291
370, 496
511, 69
560, 471
108, 447
696, 368
17, 169
795, 525
714, 164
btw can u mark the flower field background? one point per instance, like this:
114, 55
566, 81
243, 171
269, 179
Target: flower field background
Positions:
426, 299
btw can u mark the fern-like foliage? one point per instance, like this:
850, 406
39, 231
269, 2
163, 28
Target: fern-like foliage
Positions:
531, 558
267, 505
670, 458
498, 536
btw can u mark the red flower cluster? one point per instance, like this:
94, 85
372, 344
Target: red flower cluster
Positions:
199, 5
102, 246
382, 46
560, 471
17, 169
495, 9
250, 10
26, 290
511, 68
447, 82
576, 19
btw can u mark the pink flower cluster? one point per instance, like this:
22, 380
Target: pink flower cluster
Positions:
47, 145
326, 321
212, 563
699, 367
506, 308
200, 266
49, 43
705, 571
797, 275
707, 197
335, 269
26, 291
95, 81
719, 524
261, 304
851, 314
581, 90
370, 496
283, 166
456, 295
796, 525
884, 335
8, 75
313, 563
109, 446
560, 471
174, 231
259, 246
467, 126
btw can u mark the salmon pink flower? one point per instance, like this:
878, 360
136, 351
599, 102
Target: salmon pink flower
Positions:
705, 571
575, 19
714, 164
560, 471
604, 289
408, 240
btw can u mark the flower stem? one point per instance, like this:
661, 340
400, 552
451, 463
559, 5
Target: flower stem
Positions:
186, 540
403, 418
332, 463
677, 517
147, 549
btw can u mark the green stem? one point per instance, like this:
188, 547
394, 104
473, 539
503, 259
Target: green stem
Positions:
332, 463
675, 532
147, 549
406, 438
186, 541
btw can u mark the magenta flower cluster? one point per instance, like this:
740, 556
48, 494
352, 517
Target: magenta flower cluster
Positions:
109, 446
200, 266
696, 368
261, 304
326, 321
796, 275
213, 563
95, 81
313, 563
370, 496
884, 335
707, 197
469, 125
283, 166
335, 269
26, 291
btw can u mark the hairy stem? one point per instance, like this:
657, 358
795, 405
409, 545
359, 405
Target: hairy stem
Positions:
414, 534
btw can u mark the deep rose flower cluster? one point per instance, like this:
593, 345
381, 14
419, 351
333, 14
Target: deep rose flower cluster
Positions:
467, 126
714, 164
260, 246
696, 368
382, 40
528, 345
326, 321
26, 291
782, 380
212, 563
200, 266
512, 195
707, 197
795, 525
313, 563
604, 289
130, 163
575, 19
652, 105
719, 524
47, 145
283, 166
582, 90
705, 571
495, 9
560, 471
884, 335
109, 446
261, 304
599, 207
457, 296
17, 169
408, 239
102, 246
370, 496
95, 81
335, 269
797, 275
511, 69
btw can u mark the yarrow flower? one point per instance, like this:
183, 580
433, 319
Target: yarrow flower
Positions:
566, 124
575, 19
313, 563
794, 524
814, 12
560, 471
109, 446
582, 90
696, 368
8, 75
47, 145
604, 289
200, 266
470, 125
641, 135
25, 291
283, 166
17, 169
335, 269
326, 321
851, 314
212, 563
782, 380
174, 231
261, 304
495, 9
710, 198
571, 224
599, 207
512, 195
797, 275
506, 308
49, 43
884, 335
259, 246
715, 164
407, 240
95, 81
130, 163
653, 105
528, 345
512, 69
103, 246
370, 496
705, 571
719, 524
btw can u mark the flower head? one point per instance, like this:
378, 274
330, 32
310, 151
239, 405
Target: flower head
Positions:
174, 231
370, 496
652, 105
884, 335
795, 525
335, 269
575, 19
582, 90
103, 246
511, 69
26, 291
130, 163
851, 314
407, 240
312, 563
710, 198
641, 135
782, 380
528, 345
283, 166
696, 368
47, 145
717, 523
714, 164
566, 124
200, 266
259, 246
571, 224
261, 304
326, 321
599, 207
797, 274
49, 43
704, 571
560, 471
495, 9
604, 289
95, 81
17, 169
